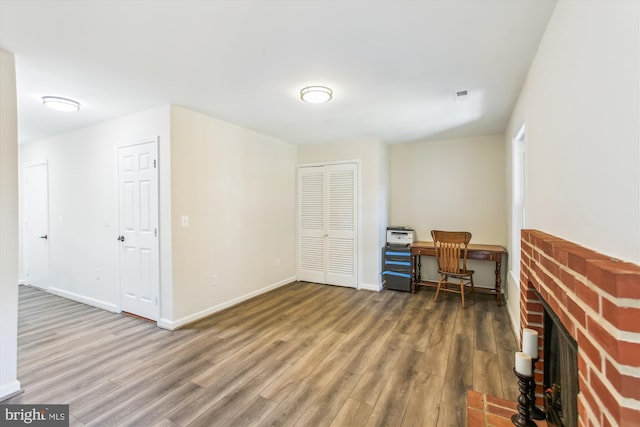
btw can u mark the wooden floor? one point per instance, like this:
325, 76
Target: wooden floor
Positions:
303, 354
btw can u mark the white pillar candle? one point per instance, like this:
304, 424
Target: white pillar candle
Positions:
523, 364
530, 342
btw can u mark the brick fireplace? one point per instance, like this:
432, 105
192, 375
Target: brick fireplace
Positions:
597, 299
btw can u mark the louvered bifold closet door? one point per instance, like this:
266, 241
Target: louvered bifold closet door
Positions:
341, 242
327, 220
311, 220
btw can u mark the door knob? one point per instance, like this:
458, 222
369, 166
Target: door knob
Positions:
44, 237
121, 238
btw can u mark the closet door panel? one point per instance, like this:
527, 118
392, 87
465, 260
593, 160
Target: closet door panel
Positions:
341, 225
327, 224
311, 220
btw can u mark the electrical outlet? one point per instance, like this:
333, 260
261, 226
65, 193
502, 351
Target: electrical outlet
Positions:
184, 221
214, 280
277, 262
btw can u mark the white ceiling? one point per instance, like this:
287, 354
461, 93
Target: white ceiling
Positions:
393, 65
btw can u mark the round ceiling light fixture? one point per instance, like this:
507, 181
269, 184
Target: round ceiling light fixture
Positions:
316, 94
61, 104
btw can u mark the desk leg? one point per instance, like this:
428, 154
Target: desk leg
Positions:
413, 274
499, 282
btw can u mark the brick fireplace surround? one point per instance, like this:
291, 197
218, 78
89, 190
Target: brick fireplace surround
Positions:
597, 299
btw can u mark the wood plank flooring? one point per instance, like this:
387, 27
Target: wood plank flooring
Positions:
301, 355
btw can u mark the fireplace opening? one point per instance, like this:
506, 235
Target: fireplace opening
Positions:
560, 372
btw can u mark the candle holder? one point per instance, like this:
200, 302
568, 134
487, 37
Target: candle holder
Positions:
523, 417
536, 413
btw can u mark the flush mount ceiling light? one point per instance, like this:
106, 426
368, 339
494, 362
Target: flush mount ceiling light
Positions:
316, 94
61, 104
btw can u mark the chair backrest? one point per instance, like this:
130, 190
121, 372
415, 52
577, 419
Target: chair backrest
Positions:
451, 250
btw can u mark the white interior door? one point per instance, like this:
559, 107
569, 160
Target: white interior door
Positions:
311, 223
327, 218
36, 225
340, 225
138, 204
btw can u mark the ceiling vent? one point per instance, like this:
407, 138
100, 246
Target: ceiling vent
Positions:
461, 95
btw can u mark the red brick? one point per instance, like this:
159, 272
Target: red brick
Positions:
629, 417
535, 318
623, 352
625, 385
542, 243
623, 318
567, 279
577, 257
587, 348
475, 418
502, 412
582, 410
620, 279
587, 295
604, 395
606, 422
577, 312
544, 277
497, 401
592, 405
475, 400
551, 267
582, 363
531, 294
495, 421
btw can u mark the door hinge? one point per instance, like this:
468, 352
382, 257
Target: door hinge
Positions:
154, 163
155, 232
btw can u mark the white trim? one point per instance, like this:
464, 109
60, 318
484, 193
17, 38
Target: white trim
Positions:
368, 287
318, 164
514, 317
85, 300
171, 325
10, 389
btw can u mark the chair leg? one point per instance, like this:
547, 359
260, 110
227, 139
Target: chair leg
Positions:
473, 291
438, 289
462, 291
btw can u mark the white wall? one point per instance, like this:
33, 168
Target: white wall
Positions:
373, 171
9, 383
581, 106
83, 205
455, 184
238, 189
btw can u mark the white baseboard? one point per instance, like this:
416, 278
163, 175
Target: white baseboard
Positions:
368, 287
85, 300
514, 317
171, 325
9, 389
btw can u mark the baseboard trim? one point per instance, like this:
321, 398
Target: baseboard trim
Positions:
10, 389
85, 300
368, 287
179, 323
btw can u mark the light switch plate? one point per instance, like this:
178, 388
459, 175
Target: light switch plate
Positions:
184, 221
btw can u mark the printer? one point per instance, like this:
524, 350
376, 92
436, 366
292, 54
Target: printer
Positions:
396, 258
400, 236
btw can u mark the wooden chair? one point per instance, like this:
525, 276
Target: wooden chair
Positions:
451, 253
